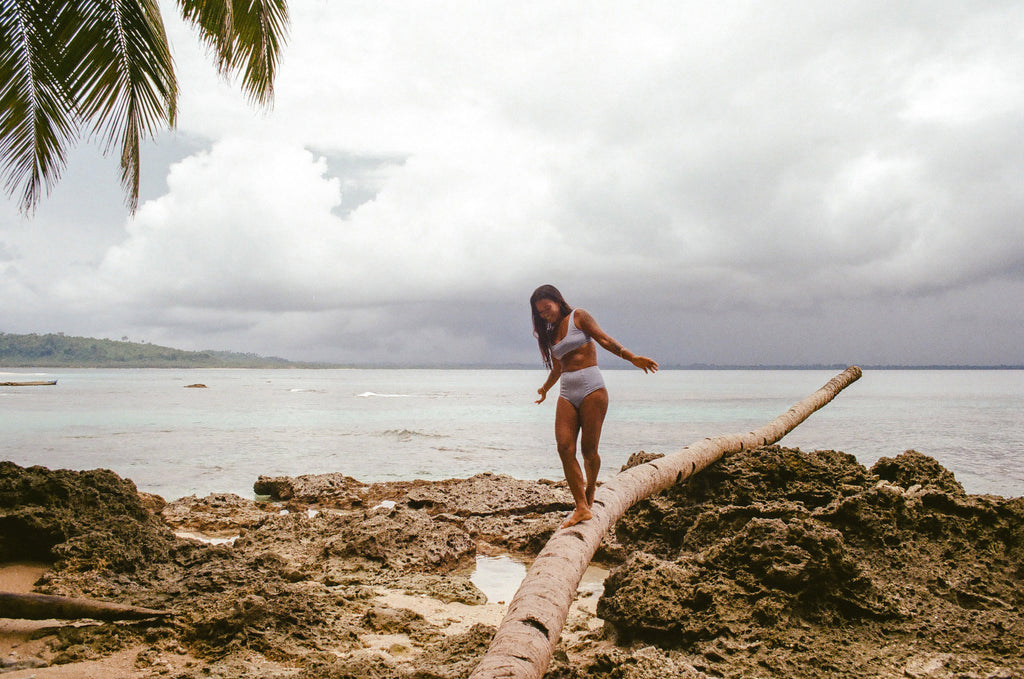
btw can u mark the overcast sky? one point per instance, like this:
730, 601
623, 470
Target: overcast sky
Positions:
735, 182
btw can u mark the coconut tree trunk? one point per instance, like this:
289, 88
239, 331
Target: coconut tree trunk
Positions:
526, 638
45, 606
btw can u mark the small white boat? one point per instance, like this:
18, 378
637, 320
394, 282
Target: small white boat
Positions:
34, 383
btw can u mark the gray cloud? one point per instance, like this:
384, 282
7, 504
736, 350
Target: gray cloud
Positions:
786, 183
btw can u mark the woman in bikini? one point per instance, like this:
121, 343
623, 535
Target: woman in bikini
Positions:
567, 338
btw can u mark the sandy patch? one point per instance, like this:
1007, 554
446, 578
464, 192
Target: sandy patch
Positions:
452, 618
16, 636
120, 664
395, 645
24, 644
20, 577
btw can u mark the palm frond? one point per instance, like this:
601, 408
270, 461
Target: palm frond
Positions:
246, 36
106, 64
37, 118
123, 78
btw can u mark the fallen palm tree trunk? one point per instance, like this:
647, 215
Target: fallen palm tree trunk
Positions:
525, 640
45, 607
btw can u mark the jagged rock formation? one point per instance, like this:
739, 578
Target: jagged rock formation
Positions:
773, 562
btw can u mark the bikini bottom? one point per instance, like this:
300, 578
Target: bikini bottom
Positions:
578, 384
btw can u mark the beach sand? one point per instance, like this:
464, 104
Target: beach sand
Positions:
16, 636
24, 643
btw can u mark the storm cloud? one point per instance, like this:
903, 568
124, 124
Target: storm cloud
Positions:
779, 183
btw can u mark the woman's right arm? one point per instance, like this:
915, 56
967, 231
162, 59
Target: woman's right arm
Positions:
556, 372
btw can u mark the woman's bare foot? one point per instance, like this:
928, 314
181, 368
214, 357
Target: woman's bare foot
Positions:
581, 514
590, 496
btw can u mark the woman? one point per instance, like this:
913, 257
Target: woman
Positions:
567, 337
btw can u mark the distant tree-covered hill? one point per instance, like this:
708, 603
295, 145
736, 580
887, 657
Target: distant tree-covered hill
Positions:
60, 351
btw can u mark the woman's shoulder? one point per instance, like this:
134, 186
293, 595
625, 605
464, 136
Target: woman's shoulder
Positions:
583, 318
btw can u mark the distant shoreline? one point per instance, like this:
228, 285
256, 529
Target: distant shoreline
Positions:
56, 350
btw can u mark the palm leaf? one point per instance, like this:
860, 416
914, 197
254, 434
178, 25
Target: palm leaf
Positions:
245, 36
37, 118
106, 64
123, 78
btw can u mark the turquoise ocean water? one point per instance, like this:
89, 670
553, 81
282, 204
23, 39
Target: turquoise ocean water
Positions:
433, 424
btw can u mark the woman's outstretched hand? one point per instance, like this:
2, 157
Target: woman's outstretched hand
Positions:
645, 364
543, 395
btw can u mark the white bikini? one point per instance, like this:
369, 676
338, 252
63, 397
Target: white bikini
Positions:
576, 385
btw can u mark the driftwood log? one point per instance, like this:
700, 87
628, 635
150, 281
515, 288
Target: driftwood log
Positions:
46, 607
524, 642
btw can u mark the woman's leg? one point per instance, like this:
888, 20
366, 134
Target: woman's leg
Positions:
591, 419
567, 429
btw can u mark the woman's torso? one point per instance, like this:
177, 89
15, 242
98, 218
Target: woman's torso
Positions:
575, 350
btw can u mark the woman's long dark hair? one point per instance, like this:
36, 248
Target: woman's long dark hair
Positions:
541, 330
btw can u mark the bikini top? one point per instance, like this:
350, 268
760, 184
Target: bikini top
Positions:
574, 339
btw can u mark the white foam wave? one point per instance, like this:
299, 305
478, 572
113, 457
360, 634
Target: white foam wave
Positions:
408, 434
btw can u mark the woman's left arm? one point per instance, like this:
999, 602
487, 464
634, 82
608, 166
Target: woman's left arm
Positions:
586, 323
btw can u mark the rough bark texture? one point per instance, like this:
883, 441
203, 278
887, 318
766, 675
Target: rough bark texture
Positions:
45, 607
523, 645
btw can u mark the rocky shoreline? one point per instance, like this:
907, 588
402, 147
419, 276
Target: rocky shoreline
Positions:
771, 563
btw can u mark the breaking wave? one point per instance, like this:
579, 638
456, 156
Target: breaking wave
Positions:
409, 434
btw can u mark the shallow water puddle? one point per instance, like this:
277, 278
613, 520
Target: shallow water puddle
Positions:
498, 577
